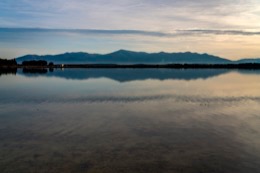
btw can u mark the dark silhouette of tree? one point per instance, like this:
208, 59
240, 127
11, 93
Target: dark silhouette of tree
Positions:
35, 63
51, 64
6, 62
174, 66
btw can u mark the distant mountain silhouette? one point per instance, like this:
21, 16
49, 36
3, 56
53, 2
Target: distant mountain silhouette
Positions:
128, 57
255, 60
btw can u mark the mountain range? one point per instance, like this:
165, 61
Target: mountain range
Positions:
131, 57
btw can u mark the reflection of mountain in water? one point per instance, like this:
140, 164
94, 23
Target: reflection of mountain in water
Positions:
125, 75
5, 71
250, 72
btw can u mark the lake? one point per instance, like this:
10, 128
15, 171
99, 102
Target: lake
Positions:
130, 120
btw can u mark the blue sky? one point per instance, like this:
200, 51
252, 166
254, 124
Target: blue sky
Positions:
228, 28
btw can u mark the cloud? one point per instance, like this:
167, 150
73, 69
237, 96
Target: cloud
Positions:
162, 15
216, 27
231, 44
219, 32
174, 33
162, 34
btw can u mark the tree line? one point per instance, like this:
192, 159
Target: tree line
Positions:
6, 62
35, 63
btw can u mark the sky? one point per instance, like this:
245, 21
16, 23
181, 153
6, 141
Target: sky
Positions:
226, 28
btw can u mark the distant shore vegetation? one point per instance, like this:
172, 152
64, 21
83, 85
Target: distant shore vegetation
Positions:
4, 63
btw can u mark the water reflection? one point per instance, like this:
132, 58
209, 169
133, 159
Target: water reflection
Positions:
147, 123
34, 71
126, 75
6, 71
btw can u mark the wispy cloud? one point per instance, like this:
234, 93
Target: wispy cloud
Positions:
218, 32
173, 33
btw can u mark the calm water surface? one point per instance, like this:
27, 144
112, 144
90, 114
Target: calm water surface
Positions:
123, 120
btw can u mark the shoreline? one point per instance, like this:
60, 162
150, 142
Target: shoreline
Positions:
140, 66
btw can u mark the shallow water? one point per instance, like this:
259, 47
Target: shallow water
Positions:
130, 120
